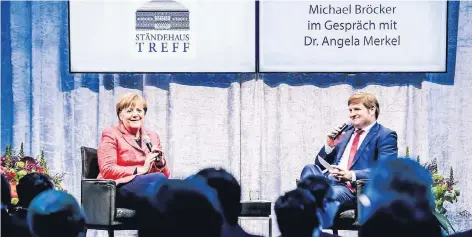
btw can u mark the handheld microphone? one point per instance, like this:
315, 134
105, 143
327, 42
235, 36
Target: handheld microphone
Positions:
147, 141
342, 128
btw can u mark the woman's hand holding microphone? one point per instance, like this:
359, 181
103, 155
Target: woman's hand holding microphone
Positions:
155, 157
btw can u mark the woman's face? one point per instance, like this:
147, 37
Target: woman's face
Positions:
133, 116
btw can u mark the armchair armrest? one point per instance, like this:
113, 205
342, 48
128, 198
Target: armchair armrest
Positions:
98, 201
360, 184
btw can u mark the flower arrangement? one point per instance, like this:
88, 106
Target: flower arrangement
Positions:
443, 191
443, 188
16, 166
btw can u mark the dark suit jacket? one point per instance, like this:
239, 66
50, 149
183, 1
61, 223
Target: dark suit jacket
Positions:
6, 223
19, 224
379, 143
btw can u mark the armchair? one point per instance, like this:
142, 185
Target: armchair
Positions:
98, 198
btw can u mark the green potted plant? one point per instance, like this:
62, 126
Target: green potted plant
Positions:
443, 191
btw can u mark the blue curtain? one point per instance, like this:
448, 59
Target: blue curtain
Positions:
262, 127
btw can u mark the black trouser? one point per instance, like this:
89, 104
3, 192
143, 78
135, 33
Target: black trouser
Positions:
131, 195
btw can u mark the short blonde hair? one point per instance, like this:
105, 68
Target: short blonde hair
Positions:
367, 99
129, 100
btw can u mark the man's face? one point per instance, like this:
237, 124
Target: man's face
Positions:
361, 116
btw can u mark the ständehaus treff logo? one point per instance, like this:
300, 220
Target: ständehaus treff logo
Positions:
162, 27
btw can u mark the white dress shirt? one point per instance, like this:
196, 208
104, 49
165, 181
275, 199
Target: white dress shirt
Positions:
345, 157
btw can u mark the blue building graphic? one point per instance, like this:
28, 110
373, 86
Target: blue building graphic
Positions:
163, 15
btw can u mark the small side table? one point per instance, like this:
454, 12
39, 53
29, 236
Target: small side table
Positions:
257, 210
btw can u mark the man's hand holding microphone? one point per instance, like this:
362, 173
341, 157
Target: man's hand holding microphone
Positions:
332, 139
334, 136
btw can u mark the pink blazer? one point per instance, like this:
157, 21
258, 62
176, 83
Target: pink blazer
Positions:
119, 154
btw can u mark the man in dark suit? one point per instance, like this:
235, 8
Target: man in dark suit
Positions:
30, 186
229, 195
353, 154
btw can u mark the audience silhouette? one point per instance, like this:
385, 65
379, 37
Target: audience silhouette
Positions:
397, 202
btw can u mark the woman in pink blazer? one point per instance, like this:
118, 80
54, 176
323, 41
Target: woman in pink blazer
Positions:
125, 155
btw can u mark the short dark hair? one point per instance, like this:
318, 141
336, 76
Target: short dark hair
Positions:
31, 185
296, 213
318, 186
55, 213
401, 218
401, 176
228, 191
179, 208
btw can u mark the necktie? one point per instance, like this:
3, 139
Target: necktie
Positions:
352, 154
355, 145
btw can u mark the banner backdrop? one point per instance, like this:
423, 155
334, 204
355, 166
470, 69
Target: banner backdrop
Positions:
353, 36
162, 36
